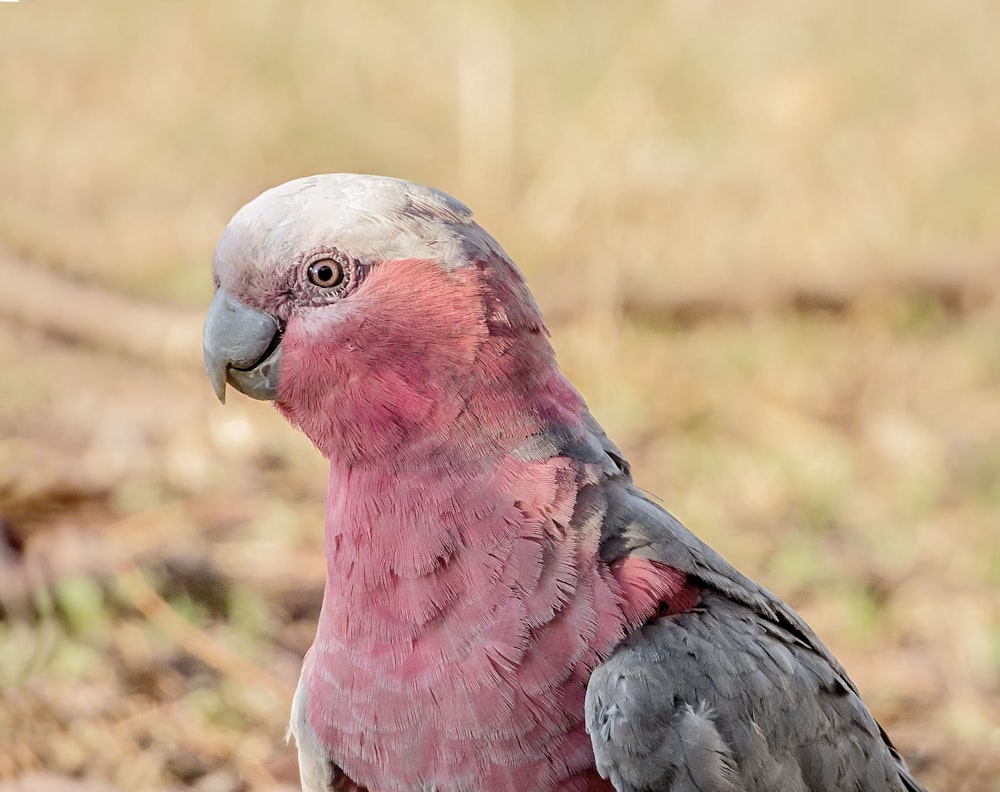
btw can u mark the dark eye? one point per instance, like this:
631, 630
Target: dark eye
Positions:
326, 273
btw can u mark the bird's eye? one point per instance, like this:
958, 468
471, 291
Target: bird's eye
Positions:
326, 273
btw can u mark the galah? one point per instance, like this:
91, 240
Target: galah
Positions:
505, 609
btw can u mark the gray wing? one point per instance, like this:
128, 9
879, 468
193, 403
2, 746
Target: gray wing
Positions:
737, 694
720, 699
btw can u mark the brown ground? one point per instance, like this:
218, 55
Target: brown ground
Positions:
767, 241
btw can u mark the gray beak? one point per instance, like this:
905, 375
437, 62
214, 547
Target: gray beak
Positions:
242, 347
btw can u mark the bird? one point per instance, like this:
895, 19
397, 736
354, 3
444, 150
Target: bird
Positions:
505, 609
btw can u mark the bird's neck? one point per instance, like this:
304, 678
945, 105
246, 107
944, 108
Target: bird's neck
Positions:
440, 516
406, 514
401, 521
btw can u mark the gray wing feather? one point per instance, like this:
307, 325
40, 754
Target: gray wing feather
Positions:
737, 695
716, 700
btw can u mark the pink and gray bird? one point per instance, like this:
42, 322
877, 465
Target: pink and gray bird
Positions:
504, 608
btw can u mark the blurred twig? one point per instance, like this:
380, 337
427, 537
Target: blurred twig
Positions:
97, 317
55, 554
133, 586
197, 739
955, 288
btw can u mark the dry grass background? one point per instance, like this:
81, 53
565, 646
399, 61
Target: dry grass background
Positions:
767, 237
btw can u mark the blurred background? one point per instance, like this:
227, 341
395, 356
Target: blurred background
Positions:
767, 240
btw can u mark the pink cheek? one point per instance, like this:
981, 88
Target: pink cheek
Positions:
300, 355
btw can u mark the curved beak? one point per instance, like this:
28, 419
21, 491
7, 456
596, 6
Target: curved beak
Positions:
242, 347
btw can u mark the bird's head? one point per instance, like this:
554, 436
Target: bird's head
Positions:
374, 311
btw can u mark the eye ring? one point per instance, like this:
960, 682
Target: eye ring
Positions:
327, 273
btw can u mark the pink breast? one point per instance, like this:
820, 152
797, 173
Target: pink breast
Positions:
470, 672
